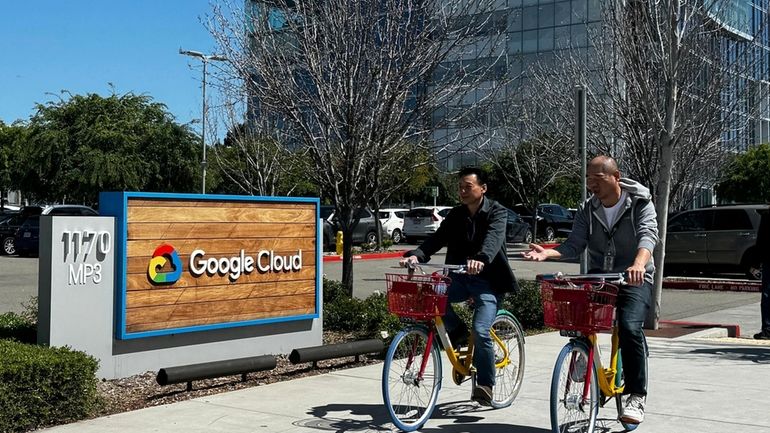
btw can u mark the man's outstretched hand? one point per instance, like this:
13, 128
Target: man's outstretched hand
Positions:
536, 253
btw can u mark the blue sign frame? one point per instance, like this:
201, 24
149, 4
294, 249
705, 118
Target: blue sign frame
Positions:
116, 204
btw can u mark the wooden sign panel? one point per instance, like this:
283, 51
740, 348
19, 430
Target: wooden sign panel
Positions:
198, 262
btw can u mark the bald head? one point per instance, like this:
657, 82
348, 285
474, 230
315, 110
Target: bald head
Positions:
603, 180
604, 164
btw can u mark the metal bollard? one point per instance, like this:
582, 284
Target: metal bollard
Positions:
353, 348
208, 370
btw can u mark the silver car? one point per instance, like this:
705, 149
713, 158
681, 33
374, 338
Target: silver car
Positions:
715, 239
421, 222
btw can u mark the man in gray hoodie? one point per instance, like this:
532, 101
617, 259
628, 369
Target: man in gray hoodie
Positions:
618, 227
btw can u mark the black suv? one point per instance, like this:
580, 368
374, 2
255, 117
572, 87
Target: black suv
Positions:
27, 238
717, 239
552, 220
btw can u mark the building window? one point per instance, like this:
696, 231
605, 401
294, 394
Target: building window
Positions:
529, 41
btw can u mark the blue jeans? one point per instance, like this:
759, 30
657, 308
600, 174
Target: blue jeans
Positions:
632, 305
485, 302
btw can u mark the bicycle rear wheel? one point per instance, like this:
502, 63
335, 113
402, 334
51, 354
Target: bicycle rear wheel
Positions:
409, 397
509, 377
570, 412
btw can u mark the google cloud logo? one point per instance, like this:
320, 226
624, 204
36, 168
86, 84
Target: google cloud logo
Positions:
162, 255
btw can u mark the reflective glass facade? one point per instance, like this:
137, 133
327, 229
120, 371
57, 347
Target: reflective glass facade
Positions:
537, 29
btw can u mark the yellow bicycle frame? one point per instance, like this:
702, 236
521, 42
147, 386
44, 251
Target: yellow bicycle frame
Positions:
462, 360
606, 377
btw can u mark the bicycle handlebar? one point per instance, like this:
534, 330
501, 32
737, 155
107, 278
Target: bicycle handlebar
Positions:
612, 278
459, 269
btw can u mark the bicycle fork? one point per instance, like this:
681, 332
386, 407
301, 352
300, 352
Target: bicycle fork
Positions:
412, 379
574, 371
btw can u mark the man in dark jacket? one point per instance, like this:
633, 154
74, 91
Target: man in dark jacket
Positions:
474, 234
763, 247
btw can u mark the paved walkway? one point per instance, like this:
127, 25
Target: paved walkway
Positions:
697, 384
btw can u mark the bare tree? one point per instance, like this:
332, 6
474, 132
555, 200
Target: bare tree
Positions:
255, 161
354, 82
662, 94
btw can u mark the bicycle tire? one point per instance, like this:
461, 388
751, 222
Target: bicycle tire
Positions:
568, 412
410, 402
509, 378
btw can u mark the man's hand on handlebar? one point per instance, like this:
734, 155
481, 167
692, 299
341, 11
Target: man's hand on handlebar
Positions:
536, 253
409, 262
635, 274
474, 267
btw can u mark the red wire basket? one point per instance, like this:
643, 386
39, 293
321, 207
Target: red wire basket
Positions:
585, 306
419, 297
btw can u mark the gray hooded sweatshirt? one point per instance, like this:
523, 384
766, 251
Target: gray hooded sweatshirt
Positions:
614, 248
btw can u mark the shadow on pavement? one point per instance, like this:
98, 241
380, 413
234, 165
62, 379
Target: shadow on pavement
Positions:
759, 355
462, 417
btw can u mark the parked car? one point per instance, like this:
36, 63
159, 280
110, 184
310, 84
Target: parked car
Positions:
517, 230
27, 237
717, 239
8, 227
421, 222
364, 232
552, 219
392, 221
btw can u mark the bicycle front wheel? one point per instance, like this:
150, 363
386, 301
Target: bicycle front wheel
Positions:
570, 411
409, 393
509, 373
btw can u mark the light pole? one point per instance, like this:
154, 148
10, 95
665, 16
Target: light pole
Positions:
205, 59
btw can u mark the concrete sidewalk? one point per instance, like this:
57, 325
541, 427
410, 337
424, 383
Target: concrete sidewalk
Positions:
696, 384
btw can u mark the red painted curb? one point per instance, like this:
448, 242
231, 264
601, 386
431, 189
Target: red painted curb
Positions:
549, 245
712, 284
367, 256
732, 330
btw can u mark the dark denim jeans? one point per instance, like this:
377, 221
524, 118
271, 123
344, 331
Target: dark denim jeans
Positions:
485, 309
764, 306
632, 306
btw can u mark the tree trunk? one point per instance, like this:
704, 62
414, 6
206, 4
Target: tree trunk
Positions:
663, 189
347, 261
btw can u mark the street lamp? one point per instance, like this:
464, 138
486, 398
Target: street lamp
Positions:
205, 59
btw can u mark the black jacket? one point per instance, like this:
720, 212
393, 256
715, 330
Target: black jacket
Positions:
487, 244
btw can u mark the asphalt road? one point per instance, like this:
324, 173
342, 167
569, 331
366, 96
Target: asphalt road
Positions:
18, 283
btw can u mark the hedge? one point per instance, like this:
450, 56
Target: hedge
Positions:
17, 327
41, 386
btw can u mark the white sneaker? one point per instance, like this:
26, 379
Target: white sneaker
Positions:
633, 413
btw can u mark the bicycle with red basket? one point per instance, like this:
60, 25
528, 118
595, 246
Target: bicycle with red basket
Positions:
412, 373
580, 306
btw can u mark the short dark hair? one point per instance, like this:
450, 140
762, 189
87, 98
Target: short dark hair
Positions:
467, 171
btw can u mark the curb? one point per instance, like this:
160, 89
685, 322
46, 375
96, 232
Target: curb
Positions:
372, 256
733, 330
706, 333
717, 284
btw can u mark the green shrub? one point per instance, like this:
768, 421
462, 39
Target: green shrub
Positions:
366, 318
40, 386
333, 289
17, 327
526, 305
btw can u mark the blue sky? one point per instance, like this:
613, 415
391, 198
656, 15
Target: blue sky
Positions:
83, 45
